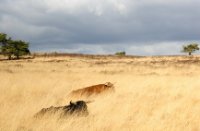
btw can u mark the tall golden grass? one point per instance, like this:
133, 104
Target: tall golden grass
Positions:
152, 93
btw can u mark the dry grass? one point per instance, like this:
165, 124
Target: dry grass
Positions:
152, 93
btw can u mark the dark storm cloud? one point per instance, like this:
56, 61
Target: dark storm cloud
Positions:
91, 26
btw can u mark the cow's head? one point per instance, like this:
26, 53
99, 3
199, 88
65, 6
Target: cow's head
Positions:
108, 84
78, 108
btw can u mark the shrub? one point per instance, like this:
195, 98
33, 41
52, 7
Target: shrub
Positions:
122, 53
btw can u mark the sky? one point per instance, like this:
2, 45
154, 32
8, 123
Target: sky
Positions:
138, 27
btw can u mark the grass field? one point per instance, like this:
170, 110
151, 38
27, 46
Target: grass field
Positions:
152, 93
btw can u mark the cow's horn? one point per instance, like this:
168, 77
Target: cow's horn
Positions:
71, 102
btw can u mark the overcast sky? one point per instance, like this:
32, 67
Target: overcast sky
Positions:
139, 27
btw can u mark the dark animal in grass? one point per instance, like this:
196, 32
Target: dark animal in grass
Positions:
94, 90
78, 108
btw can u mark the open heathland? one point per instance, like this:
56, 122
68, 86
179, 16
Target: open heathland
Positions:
151, 93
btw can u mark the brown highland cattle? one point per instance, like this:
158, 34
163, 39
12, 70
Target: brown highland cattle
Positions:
94, 90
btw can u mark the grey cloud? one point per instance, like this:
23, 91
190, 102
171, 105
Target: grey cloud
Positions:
84, 27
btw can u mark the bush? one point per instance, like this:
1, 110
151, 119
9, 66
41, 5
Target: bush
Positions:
122, 53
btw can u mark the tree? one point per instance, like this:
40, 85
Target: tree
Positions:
11, 47
190, 48
19, 48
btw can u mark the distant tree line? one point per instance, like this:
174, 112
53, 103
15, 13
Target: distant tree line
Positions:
16, 48
10, 48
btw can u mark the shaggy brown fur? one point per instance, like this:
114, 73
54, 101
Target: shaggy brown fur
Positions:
94, 90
